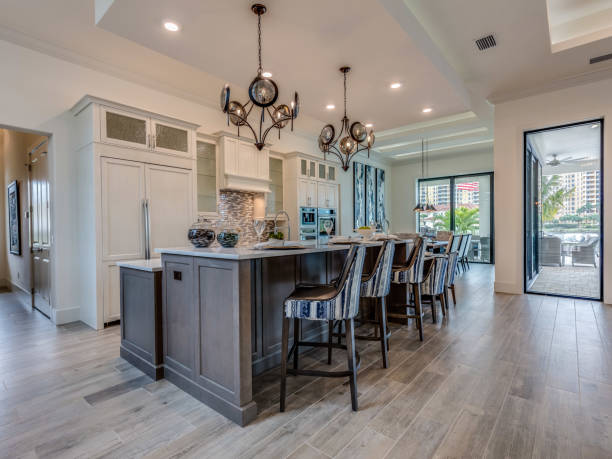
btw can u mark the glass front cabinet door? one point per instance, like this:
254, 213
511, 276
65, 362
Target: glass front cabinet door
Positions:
124, 128
168, 138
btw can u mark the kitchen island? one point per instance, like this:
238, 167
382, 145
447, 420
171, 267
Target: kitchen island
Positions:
221, 319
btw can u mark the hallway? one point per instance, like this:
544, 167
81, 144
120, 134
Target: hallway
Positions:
514, 376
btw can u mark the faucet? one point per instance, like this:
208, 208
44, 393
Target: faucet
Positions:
288, 223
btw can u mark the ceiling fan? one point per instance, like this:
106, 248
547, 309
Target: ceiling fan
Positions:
556, 161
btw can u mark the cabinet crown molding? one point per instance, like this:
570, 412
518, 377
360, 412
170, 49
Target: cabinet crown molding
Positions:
88, 99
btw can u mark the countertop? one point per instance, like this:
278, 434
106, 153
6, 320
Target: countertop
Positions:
151, 265
245, 253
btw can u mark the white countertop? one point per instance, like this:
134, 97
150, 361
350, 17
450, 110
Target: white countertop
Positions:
245, 253
151, 265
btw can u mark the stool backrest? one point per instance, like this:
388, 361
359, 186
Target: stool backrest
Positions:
453, 258
454, 244
468, 243
349, 286
437, 276
377, 285
463, 245
416, 261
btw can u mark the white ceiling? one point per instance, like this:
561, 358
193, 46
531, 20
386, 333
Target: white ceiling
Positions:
304, 44
522, 63
581, 144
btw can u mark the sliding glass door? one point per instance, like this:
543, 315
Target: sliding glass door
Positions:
463, 204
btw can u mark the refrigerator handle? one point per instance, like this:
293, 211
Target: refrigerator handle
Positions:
147, 228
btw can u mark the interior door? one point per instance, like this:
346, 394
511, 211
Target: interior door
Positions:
170, 203
40, 222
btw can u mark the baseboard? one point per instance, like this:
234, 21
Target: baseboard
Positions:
18, 288
65, 315
507, 287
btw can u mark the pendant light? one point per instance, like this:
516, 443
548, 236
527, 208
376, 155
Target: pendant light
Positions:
351, 139
263, 93
424, 206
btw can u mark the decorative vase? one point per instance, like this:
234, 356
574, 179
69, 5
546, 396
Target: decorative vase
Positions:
201, 234
228, 235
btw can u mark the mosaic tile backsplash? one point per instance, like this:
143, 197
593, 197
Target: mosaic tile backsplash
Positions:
237, 208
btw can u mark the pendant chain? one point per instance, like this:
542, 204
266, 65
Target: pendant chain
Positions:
345, 95
260, 69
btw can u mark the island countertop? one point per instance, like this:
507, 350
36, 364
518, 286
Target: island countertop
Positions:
246, 253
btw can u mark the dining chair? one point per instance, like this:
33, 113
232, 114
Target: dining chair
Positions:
451, 271
338, 301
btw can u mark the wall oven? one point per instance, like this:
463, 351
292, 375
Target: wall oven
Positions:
308, 223
324, 215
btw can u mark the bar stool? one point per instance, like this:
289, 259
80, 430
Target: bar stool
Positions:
412, 274
434, 285
336, 301
374, 285
451, 271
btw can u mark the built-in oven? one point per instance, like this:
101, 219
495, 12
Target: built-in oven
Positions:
323, 216
308, 223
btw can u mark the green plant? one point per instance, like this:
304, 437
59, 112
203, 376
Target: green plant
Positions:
552, 197
278, 235
466, 220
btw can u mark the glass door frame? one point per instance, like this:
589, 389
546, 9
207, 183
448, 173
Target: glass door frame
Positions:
452, 179
601, 204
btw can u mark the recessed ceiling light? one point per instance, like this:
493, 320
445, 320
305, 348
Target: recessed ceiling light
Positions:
369, 125
396, 85
594, 126
266, 75
171, 26
330, 106
427, 110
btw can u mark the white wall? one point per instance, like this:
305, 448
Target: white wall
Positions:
511, 120
37, 92
404, 177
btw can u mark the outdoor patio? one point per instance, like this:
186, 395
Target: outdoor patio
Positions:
578, 281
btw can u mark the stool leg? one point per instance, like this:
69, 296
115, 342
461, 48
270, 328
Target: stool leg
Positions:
350, 348
452, 287
330, 335
382, 323
376, 315
340, 332
416, 288
386, 322
296, 340
434, 309
284, 351
442, 303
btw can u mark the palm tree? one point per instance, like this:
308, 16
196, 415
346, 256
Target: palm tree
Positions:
466, 220
553, 197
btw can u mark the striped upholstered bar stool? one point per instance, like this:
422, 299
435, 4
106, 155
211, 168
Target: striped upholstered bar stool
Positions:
451, 271
412, 274
374, 285
434, 285
338, 301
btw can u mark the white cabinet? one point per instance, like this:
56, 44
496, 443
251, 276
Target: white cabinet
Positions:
308, 168
132, 195
170, 203
123, 195
307, 193
327, 195
146, 132
242, 166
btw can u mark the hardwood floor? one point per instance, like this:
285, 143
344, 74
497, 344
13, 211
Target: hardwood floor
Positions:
502, 376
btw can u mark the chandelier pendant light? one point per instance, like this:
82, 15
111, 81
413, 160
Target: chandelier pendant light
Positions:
426, 206
263, 93
351, 139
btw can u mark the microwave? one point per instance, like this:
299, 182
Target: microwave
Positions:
308, 216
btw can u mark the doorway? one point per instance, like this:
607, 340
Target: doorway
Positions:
463, 204
25, 254
563, 191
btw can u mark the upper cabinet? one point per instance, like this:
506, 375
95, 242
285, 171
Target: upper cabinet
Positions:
124, 126
317, 170
206, 176
242, 166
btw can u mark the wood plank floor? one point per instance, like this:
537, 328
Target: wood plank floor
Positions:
502, 376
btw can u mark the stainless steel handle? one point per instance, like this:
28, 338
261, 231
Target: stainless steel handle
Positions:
147, 228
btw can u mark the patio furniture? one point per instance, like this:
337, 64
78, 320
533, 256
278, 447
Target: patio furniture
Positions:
585, 253
550, 251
